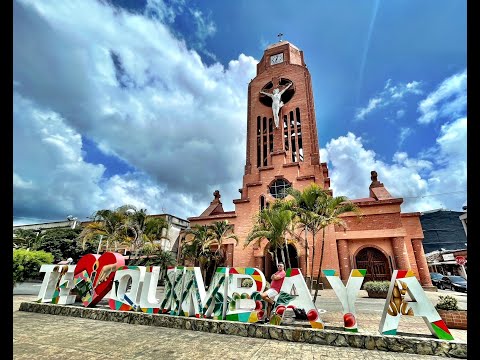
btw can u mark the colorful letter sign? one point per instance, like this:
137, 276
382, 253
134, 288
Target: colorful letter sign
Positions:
347, 295
404, 281
234, 293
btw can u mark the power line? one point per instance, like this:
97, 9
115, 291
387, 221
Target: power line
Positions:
422, 196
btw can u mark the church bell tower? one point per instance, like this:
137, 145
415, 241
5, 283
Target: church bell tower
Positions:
282, 143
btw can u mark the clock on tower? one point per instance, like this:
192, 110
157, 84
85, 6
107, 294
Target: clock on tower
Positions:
276, 59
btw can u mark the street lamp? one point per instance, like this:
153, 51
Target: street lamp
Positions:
74, 219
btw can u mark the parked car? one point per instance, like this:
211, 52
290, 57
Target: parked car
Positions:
436, 278
453, 282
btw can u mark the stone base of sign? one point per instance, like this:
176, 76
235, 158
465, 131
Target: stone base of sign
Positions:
455, 319
404, 344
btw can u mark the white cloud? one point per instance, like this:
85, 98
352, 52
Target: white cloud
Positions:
205, 27
391, 95
372, 104
420, 181
404, 133
448, 100
142, 96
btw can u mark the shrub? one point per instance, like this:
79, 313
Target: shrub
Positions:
247, 282
446, 303
377, 286
26, 264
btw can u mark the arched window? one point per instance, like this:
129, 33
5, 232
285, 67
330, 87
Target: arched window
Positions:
279, 187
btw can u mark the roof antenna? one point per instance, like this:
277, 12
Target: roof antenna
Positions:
279, 37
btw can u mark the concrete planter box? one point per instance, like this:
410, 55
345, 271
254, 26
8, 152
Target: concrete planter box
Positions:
454, 319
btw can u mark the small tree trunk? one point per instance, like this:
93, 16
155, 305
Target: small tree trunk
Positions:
320, 267
306, 256
313, 259
288, 255
282, 252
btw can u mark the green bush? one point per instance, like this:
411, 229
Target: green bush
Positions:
377, 286
26, 264
446, 303
247, 283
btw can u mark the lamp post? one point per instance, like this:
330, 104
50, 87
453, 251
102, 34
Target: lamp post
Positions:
74, 219
99, 244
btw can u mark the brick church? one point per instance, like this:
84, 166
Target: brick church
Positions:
282, 151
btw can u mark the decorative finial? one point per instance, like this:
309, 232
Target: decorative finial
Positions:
216, 197
374, 177
280, 37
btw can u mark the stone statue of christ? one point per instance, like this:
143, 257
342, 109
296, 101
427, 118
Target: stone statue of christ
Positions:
277, 102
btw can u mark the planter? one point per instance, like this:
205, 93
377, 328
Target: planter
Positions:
377, 294
454, 319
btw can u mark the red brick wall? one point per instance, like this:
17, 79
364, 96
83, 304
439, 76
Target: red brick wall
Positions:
454, 319
372, 222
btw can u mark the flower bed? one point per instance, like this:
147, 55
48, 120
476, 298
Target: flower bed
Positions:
377, 289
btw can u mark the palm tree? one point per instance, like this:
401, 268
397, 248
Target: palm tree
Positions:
106, 223
134, 226
220, 231
272, 224
155, 228
329, 213
26, 238
196, 246
307, 205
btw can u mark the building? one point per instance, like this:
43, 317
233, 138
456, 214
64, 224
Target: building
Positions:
283, 151
445, 238
443, 230
72, 224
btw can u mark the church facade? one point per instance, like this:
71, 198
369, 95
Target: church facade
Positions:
282, 151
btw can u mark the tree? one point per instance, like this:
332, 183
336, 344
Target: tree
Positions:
26, 264
141, 228
308, 205
25, 238
62, 243
108, 225
272, 224
329, 213
219, 232
196, 246
154, 255
155, 228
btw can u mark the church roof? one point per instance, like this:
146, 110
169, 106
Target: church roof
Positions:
283, 42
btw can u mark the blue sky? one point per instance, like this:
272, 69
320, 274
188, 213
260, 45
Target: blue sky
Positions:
144, 102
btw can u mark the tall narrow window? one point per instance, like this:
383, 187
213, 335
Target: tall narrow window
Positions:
259, 149
270, 134
299, 135
262, 202
292, 135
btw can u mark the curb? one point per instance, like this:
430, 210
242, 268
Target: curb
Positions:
405, 344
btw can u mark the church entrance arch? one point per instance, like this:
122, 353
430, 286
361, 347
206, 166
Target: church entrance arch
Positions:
376, 263
270, 266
